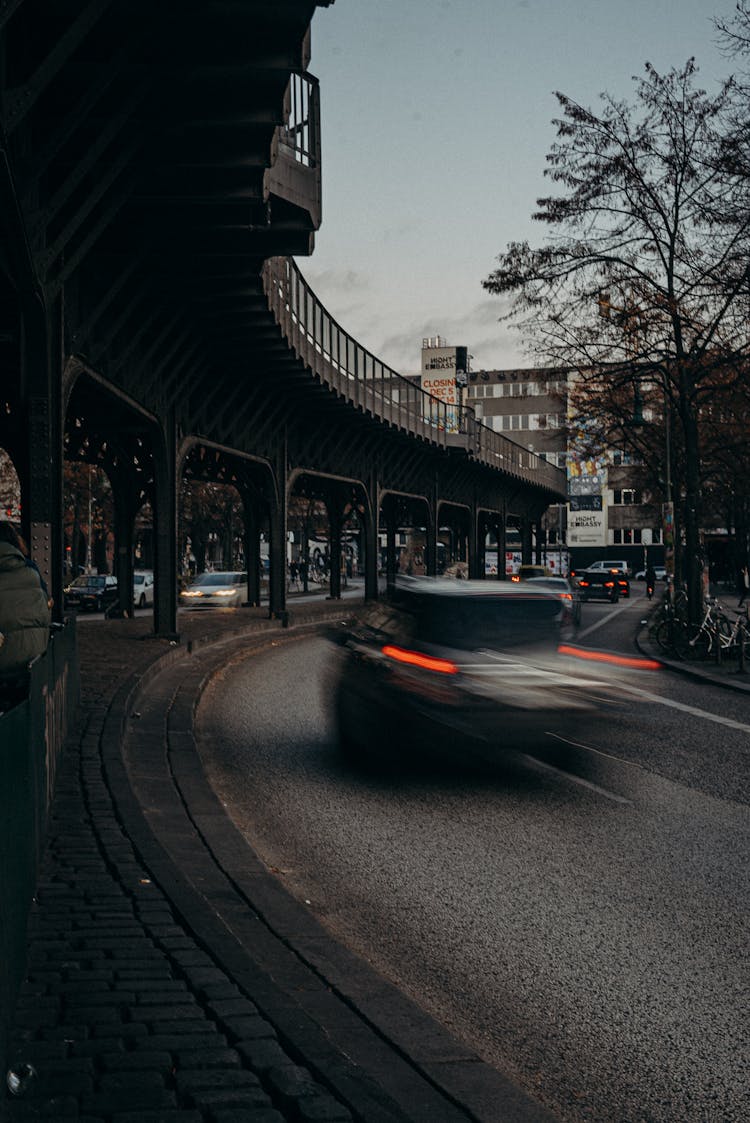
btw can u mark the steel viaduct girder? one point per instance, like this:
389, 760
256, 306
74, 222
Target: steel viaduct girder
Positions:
150, 191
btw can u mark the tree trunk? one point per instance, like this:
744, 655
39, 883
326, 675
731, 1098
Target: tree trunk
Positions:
693, 560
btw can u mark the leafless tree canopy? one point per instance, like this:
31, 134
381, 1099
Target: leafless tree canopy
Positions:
642, 285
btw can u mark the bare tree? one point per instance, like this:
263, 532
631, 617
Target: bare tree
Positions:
642, 288
734, 31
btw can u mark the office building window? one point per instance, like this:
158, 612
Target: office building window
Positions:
626, 496
627, 536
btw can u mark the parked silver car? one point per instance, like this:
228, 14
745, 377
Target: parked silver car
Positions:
143, 588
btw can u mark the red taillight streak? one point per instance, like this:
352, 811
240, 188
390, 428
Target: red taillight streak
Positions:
605, 657
416, 659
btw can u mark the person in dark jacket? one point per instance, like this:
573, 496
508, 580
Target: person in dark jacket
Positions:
24, 606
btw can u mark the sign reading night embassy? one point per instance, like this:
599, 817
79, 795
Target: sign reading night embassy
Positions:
586, 528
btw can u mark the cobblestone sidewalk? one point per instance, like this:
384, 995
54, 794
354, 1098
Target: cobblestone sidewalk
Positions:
123, 1017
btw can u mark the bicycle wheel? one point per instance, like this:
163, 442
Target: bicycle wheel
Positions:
693, 645
743, 641
702, 644
726, 638
664, 634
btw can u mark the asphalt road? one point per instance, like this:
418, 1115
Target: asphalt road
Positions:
585, 931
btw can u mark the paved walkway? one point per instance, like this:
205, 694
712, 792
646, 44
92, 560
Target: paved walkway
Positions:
170, 979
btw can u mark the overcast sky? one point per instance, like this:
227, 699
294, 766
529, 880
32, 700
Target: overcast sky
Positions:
436, 120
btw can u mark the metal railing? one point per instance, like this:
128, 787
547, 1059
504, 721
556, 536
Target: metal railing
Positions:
349, 369
300, 134
294, 173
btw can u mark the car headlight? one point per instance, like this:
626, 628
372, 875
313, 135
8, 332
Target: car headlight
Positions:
191, 593
225, 592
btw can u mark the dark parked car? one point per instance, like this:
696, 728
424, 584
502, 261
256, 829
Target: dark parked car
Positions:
459, 669
599, 573
91, 592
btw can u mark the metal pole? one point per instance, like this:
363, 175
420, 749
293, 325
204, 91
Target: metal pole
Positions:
88, 535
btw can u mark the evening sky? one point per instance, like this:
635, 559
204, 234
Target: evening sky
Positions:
436, 121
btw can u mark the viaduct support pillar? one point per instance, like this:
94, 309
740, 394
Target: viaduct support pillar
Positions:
41, 469
165, 530
370, 533
251, 547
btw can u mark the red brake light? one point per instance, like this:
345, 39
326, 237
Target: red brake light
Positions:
417, 659
607, 657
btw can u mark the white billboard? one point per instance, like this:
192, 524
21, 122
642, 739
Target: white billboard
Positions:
587, 528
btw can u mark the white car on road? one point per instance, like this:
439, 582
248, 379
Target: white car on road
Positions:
143, 588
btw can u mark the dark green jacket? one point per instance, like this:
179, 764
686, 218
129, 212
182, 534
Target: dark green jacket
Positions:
24, 613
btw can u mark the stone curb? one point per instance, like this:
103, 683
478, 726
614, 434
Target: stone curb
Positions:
368, 1019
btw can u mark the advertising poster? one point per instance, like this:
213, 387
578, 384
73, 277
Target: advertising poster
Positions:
443, 387
587, 528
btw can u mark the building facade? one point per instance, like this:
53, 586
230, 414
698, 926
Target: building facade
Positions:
609, 506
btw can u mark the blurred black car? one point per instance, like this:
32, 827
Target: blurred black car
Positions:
91, 592
459, 669
568, 593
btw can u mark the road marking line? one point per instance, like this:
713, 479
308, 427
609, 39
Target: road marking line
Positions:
605, 619
729, 723
542, 764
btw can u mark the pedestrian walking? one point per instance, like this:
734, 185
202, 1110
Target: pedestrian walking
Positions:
293, 574
743, 586
650, 581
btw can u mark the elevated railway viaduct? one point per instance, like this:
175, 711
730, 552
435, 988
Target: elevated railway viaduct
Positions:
158, 172
160, 168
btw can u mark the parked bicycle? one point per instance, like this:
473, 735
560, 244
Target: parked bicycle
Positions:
670, 617
716, 637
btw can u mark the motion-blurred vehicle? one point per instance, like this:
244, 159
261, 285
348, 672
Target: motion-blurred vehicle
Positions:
456, 669
215, 590
569, 594
91, 592
143, 588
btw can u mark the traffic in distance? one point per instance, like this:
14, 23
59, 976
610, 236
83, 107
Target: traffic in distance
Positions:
97, 592
92, 592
